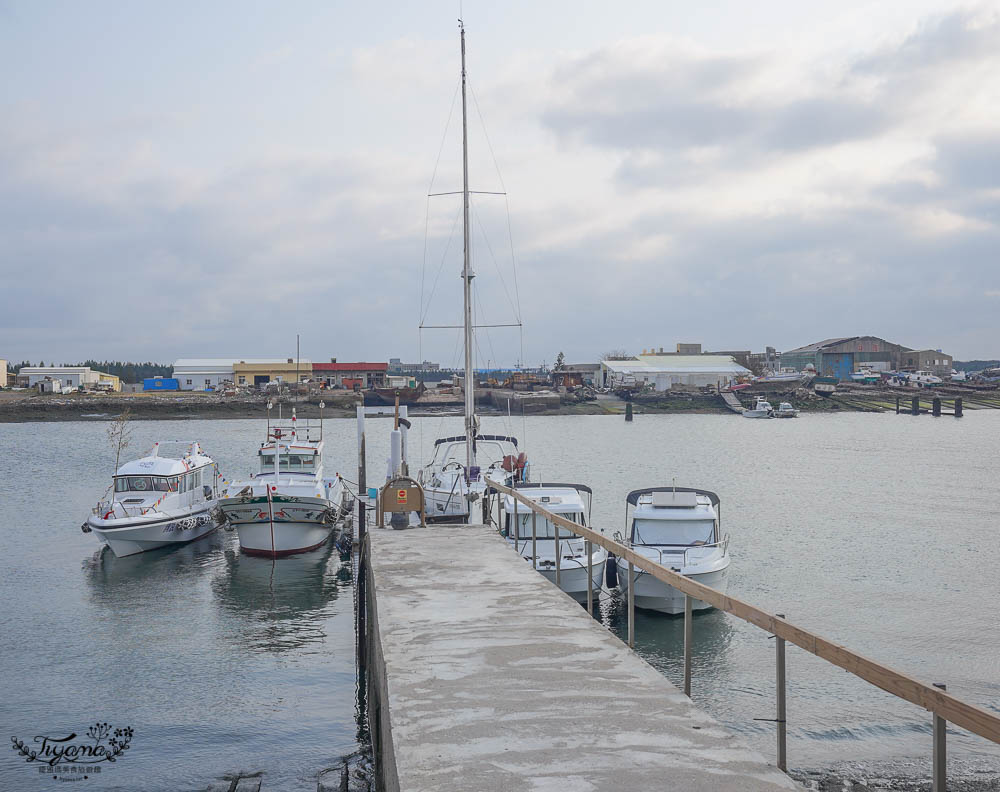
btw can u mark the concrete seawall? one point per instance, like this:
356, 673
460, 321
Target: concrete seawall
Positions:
484, 676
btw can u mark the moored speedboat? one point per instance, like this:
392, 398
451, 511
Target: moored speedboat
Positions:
157, 501
785, 410
566, 500
287, 507
761, 409
679, 528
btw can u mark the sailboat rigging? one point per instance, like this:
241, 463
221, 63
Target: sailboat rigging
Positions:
451, 486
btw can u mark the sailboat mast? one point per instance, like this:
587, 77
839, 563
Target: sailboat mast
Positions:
467, 276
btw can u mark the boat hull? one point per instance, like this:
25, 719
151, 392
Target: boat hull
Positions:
281, 526
655, 595
573, 579
128, 537
757, 414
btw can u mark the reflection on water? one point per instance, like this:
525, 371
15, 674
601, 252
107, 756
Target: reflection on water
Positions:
279, 600
114, 580
659, 637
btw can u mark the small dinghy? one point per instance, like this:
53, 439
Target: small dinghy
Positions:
158, 501
785, 410
566, 500
679, 528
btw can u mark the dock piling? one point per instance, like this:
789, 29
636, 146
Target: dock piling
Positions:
939, 780
915, 406
780, 710
558, 554
936, 406
688, 636
628, 410
958, 407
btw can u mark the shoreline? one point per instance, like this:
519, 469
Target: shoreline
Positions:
26, 407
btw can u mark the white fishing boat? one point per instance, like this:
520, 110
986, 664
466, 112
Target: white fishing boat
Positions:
157, 501
761, 409
287, 506
679, 528
785, 410
566, 500
459, 473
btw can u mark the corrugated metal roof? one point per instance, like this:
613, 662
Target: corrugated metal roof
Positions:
230, 362
350, 366
819, 345
679, 364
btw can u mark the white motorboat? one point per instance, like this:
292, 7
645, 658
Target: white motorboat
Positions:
785, 410
566, 500
459, 473
761, 409
923, 379
679, 528
287, 507
157, 501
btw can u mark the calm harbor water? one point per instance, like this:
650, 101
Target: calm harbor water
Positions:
878, 531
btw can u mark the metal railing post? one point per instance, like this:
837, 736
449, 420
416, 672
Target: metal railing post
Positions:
688, 635
631, 605
779, 716
558, 553
517, 526
939, 781
590, 576
534, 540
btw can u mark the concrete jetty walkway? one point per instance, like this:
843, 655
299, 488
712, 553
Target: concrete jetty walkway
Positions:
486, 677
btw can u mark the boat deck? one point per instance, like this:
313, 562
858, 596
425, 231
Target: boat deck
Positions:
485, 676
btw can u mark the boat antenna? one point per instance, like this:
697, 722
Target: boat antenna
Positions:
467, 276
269, 406
321, 406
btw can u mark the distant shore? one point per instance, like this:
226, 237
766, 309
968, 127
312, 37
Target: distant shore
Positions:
27, 406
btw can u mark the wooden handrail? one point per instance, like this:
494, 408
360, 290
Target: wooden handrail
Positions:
968, 716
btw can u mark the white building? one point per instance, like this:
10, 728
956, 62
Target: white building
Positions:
202, 373
69, 376
665, 371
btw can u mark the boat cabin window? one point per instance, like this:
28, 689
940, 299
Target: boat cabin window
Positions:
138, 484
160, 484
266, 462
543, 528
174, 484
673, 532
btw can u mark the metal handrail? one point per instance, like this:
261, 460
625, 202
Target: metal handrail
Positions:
930, 697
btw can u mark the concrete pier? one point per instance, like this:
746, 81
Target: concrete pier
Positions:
484, 676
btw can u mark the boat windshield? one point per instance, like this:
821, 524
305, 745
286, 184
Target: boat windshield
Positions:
291, 463
543, 528
145, 484
673, 532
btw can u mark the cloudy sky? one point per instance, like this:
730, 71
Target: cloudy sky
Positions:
209, 179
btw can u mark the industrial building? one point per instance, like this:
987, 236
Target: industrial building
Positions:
840, 357
663, 371
349, 375
211, 373
259, 372
571, 374
203, 373
397, 365
68, 377
933, 360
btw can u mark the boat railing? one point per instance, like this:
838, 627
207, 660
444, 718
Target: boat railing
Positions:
945, 707
683, 550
